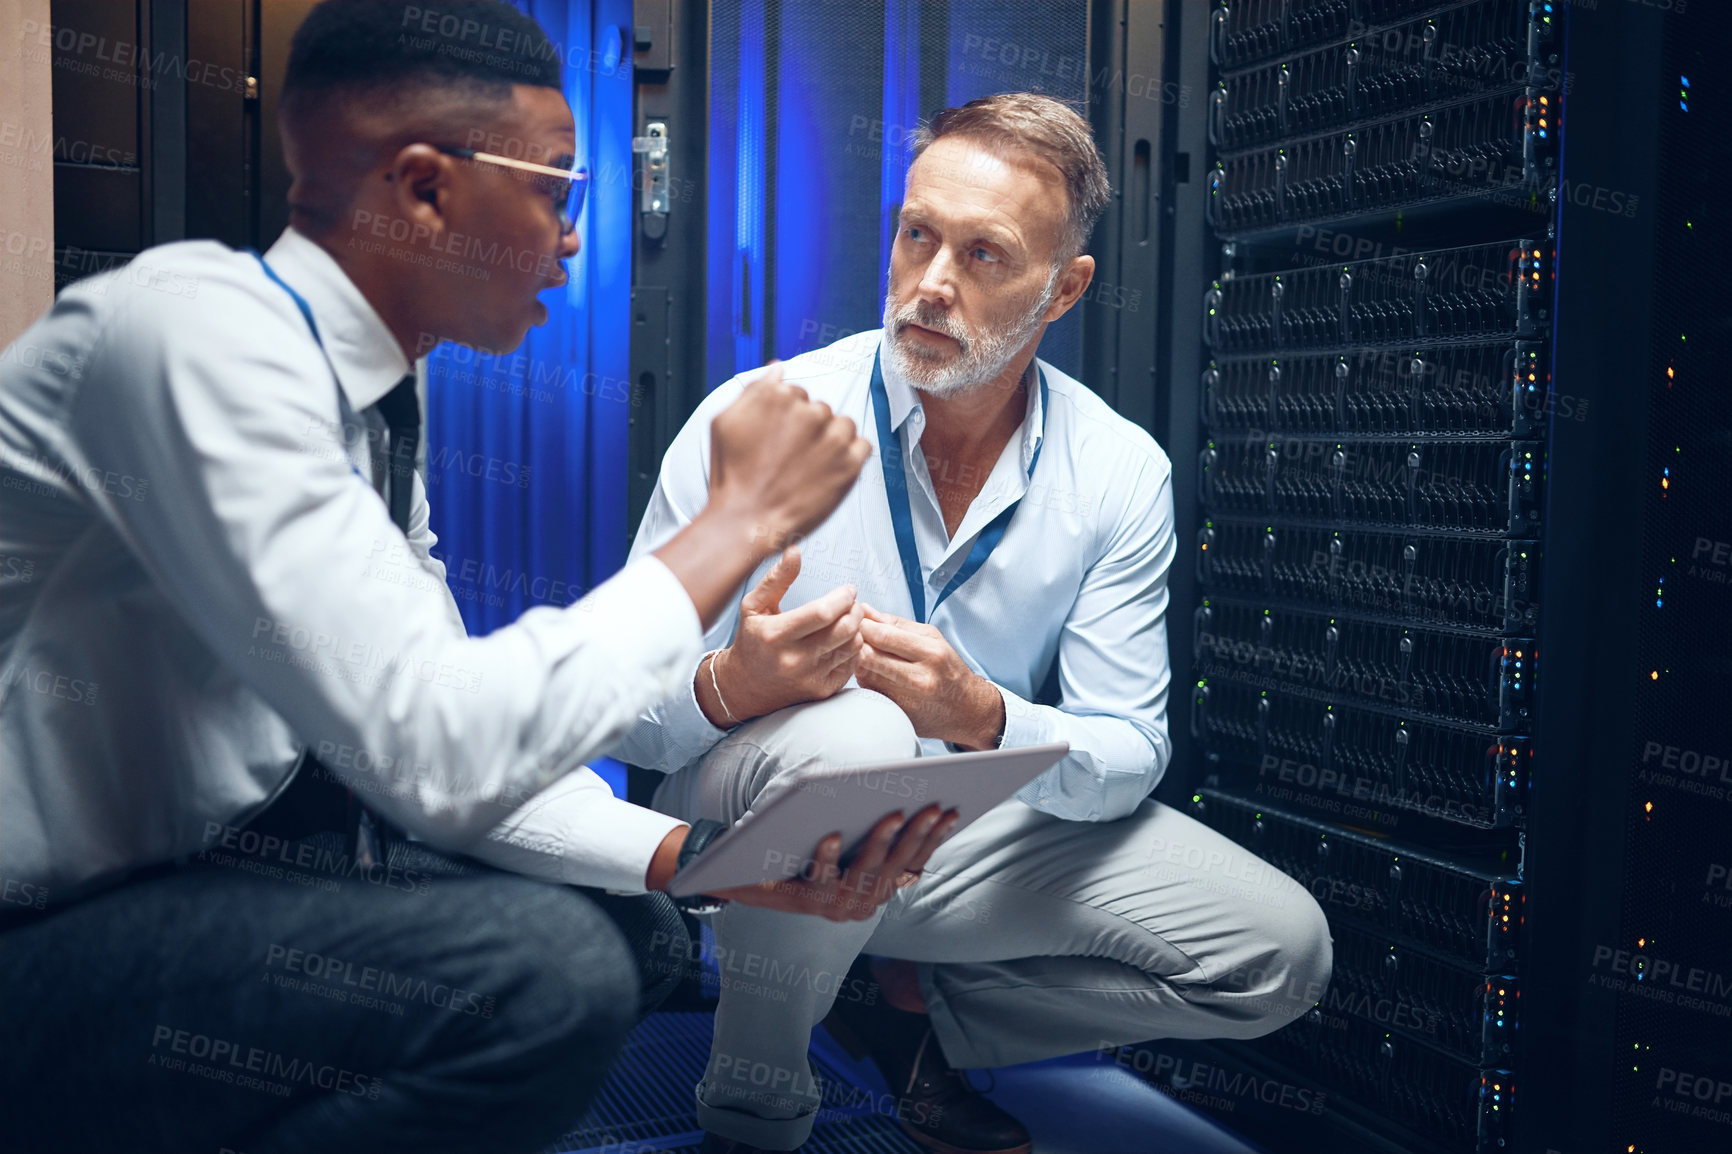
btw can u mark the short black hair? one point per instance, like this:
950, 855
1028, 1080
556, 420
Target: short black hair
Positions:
361, 45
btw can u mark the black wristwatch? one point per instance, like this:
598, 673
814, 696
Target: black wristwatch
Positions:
701, 834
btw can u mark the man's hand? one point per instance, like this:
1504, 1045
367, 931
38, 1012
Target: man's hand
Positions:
892, 857
914, 666
780, 659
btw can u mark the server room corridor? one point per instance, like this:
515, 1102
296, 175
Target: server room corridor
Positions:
1417, 311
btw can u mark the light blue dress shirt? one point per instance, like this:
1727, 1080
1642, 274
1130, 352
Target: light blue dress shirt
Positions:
1080, 577
198, 579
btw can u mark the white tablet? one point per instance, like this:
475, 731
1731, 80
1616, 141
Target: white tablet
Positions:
777, 840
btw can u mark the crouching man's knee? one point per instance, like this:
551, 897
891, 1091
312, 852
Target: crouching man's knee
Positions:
1290, 976
854, 727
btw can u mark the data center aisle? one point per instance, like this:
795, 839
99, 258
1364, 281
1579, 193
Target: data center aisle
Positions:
1079, 1105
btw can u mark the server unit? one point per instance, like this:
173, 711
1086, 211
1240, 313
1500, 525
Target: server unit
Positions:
1370, 484
1461, 255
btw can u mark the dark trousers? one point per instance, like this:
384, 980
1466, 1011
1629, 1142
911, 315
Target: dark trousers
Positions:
291, 1000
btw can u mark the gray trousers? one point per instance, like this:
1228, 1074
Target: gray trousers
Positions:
1035, 936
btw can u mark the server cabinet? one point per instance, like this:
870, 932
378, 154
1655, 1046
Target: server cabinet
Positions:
165, 125
1458, 635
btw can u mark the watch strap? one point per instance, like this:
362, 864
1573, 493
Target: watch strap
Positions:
701, 834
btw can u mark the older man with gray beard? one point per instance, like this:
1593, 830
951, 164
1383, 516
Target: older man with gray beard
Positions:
997, 579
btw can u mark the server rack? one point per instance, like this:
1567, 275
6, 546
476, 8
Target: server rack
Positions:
1370, 487
1416, 297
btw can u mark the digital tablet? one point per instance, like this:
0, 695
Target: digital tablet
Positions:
777, 840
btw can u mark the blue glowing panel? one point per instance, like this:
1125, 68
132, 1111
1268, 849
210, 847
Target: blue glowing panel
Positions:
813, 108
736, 189
1018, 46
1025, 46
526, 470
829, 144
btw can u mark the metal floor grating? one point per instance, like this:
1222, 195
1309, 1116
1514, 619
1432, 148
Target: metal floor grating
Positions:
1077, 1105
646, 1105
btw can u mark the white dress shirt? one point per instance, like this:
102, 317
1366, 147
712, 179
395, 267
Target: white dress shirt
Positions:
198, 578
1079, 577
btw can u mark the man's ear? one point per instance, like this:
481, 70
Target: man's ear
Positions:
1072, 283
422, 183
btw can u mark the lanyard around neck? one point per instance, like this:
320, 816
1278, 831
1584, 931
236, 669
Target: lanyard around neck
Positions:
901, 514
300, 301
345, 412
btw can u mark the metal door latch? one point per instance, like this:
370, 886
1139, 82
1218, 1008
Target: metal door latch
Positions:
654, 199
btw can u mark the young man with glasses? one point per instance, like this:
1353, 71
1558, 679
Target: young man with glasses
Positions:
219, 733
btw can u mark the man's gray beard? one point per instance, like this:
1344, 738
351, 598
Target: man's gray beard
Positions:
980, 358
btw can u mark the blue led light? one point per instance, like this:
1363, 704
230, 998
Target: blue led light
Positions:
1684, 80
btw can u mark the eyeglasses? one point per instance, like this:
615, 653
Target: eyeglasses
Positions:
564, 187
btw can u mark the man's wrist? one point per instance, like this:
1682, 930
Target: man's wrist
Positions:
729, 692
732, 524
706, 689
713, 555
664, 863
986, 728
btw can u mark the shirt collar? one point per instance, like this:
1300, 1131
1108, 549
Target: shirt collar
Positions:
904, 399
368, 360
1033, 418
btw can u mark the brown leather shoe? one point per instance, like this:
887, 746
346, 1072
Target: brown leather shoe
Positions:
935, 1105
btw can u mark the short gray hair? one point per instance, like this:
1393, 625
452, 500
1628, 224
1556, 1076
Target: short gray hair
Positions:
1042, 127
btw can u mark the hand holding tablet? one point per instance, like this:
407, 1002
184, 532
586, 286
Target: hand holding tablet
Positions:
892, 856
767, 859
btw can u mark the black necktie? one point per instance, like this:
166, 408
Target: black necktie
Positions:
401, 409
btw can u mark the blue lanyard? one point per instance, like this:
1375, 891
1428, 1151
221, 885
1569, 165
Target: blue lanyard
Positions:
902, 517
300, 301
344, 411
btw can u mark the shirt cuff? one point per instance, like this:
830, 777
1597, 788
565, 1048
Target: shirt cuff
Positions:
1023, 723
1024, 726
685, 732
577, 832
643, 830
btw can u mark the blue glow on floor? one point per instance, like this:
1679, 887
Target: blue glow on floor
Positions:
1077, 1105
